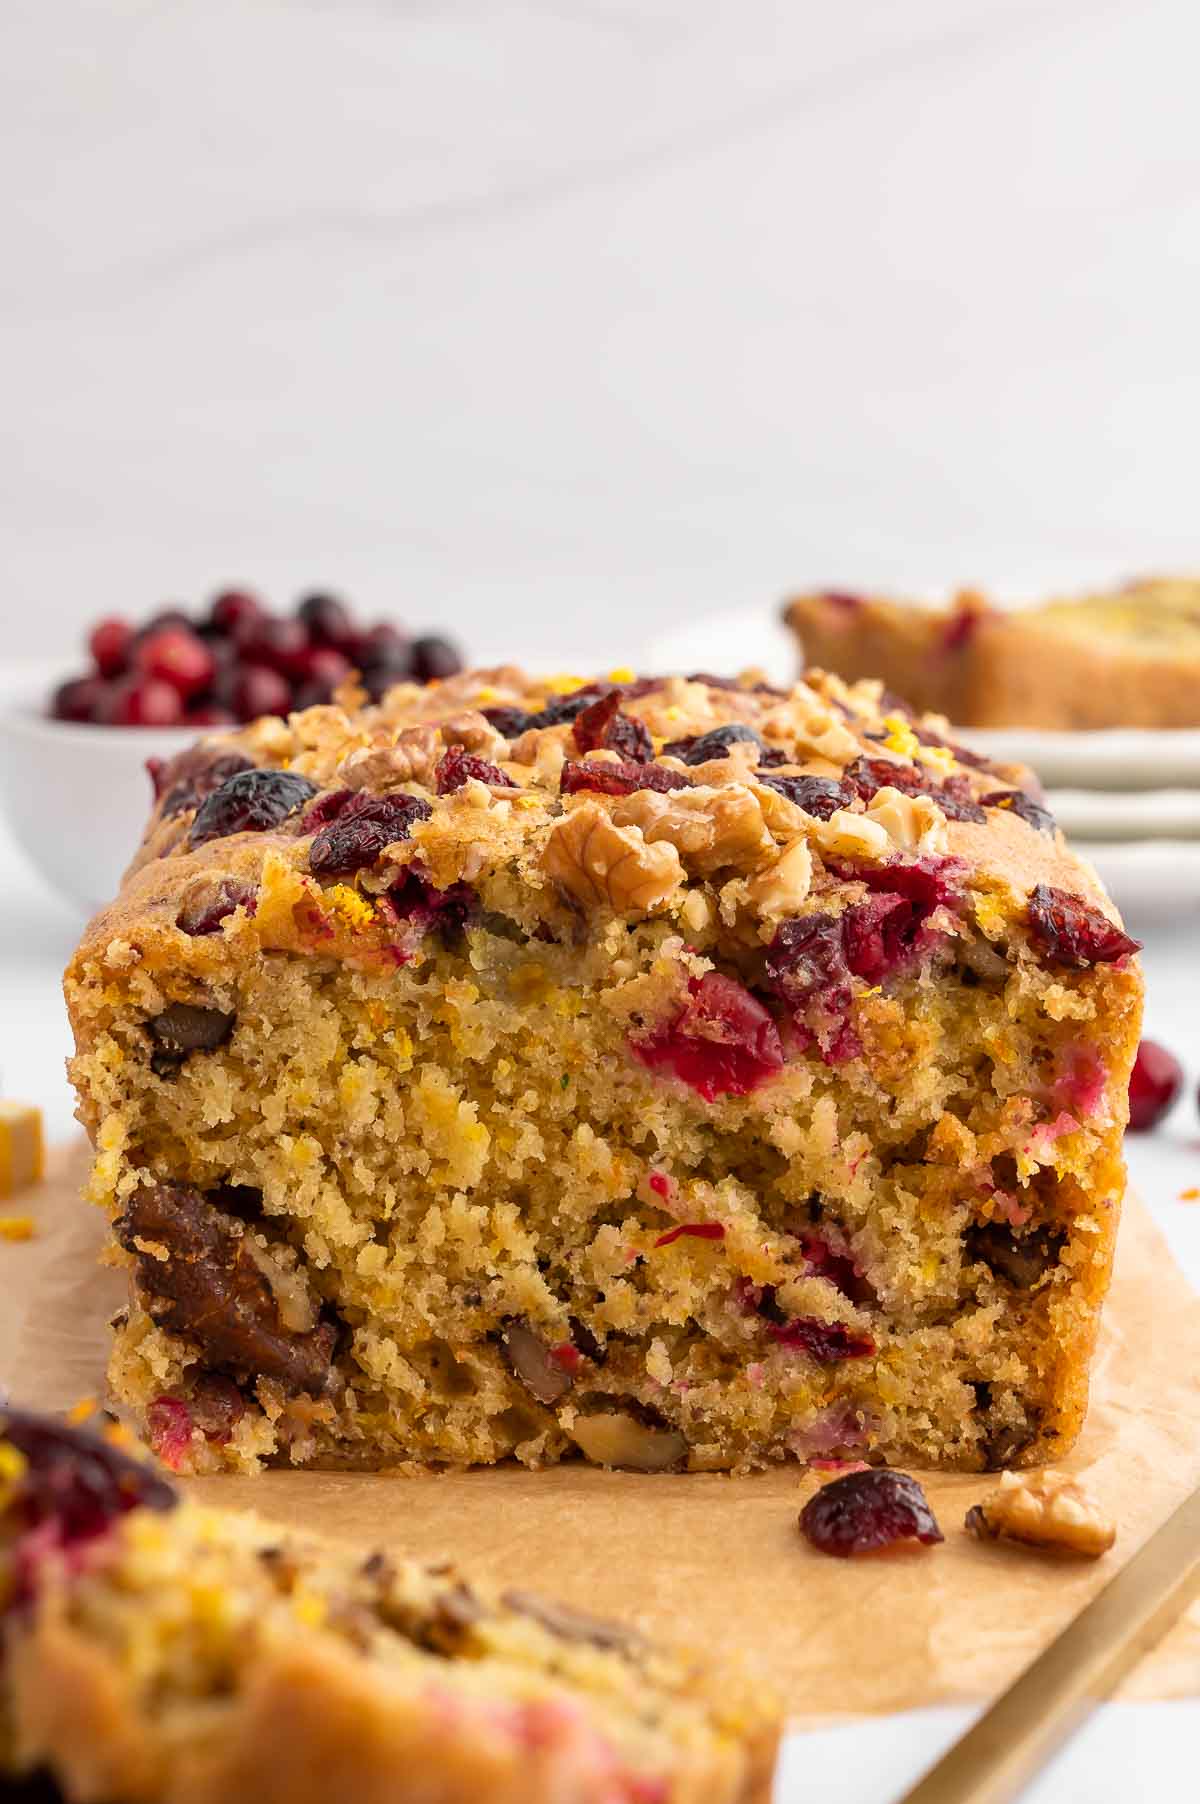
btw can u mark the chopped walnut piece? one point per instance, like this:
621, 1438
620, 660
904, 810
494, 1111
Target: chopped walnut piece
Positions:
777, 892
410, 758
914, 823
596, 861
818, 733
613, 1438
849, 835
475, 734
711, 829
1043, 1509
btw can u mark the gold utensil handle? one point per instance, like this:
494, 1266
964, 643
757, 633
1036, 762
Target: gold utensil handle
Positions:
1028, 1722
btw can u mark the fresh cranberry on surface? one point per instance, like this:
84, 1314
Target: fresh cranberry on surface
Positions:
276, 642
173, 619
1154, 1084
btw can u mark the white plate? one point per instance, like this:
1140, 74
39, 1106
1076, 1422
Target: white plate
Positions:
1146, 814
1122, 758
1154, 882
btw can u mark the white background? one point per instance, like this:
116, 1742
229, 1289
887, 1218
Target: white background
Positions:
566, 324
553, 319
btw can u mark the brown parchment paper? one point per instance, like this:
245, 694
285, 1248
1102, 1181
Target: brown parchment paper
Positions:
706, 1557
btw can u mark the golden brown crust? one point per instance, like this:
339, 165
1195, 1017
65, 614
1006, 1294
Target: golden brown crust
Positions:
1126, 659
729, 821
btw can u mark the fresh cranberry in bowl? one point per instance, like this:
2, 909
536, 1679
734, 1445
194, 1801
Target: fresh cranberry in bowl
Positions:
278, 643
327, 622
1154, 1085
78, 700
73, 763
178, 656
252, 690
141, 701
110, 642
234, 611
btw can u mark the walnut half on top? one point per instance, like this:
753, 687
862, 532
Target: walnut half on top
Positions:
1043, 1509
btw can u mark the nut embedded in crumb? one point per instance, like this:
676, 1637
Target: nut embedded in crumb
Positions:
1043, 1509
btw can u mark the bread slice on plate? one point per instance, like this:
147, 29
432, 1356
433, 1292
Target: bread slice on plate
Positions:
1126, 658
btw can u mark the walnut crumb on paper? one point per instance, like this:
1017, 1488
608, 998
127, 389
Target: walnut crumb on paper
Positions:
1043, 1509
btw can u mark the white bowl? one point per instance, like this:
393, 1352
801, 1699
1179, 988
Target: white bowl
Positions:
78, 797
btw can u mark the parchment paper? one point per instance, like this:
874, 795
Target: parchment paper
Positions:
705, 1557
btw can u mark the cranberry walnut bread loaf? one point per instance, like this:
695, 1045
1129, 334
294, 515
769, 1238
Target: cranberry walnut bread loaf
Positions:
672, 1073
1130, 658
156, 1652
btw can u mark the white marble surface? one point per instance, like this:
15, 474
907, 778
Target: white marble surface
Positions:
565, 323
559, 317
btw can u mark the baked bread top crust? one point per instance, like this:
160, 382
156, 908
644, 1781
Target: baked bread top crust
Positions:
564, 804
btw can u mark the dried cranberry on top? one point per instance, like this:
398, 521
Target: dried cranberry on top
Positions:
457, 767
1074, 933
327, 808
865, 1511
511, 722
715, 744
560, 709
818, 796
253, 801
954, 796
928, 736
620, 779
194, 775
602, 726
362, 830
1015, 801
